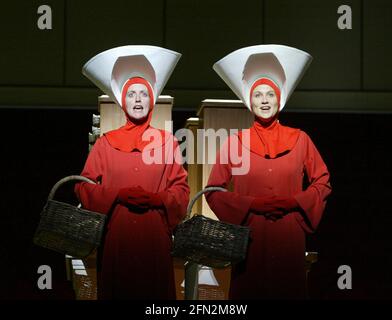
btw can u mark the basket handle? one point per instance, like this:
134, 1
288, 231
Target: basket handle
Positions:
198, 195
66, 179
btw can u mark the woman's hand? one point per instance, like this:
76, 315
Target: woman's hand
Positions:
138, 197
286, 204
273, 207
263, 204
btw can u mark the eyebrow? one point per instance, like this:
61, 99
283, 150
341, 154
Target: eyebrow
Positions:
133, 91
266, 92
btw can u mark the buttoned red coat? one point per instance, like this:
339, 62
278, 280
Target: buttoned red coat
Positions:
134, 260
275, 263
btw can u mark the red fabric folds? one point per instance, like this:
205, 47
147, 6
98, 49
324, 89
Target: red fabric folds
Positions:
271, 140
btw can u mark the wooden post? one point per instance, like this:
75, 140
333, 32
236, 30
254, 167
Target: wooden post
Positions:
216, 115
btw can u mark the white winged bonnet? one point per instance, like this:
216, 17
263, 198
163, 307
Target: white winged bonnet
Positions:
283, 65
110, 70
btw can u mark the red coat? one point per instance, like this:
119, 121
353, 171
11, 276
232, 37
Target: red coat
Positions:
135, 260
275, 263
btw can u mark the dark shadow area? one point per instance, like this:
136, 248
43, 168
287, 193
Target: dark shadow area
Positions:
355, 229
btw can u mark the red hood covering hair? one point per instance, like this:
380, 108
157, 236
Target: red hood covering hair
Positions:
268, 137
129, 137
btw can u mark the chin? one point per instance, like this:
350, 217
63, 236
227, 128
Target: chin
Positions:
265, 117
137, 117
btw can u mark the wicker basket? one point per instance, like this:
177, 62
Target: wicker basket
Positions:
209, 242
68, 229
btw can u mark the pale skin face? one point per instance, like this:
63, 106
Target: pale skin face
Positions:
264, 102
137, 101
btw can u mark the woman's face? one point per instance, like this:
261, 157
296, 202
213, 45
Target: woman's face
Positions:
264, 101
137, 101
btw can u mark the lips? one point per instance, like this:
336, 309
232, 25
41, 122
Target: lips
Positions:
265, 108
138, 107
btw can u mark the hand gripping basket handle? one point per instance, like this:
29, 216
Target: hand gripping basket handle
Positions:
198, 195
66, 179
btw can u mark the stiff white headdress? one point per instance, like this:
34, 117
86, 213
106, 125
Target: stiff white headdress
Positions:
109, 70
283, 65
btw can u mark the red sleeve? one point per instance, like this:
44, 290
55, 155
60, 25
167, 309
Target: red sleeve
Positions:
99, 198
313, 200
176, 195
228, 206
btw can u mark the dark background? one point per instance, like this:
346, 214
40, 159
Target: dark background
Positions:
344, 103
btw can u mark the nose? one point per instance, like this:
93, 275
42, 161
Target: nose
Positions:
264, 99
138, 97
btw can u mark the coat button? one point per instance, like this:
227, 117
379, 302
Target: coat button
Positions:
136, 169
269, 170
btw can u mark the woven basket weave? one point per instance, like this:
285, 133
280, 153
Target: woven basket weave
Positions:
209, 242
68, 229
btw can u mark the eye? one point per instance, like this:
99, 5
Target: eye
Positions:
271, 94
145, 94
131, 94
257, 95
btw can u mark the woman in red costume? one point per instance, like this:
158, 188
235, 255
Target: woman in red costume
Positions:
270, 198
143, 201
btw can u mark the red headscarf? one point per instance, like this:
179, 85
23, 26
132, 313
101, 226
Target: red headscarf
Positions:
129, 137
268, 82
268, 137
